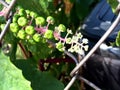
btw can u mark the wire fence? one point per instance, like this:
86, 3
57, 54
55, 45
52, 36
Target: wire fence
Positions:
75, 74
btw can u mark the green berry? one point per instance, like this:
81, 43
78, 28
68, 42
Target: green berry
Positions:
61, 28
2, 26
60, 46
69, 40
8, 1
30, 30
22, 21
21, 34
14, 27
48, 34
31, 41
40, 21
22, 12
36, 37
33, 14
50, 19
27, 11
15, 18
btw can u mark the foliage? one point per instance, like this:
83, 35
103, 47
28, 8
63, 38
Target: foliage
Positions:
39, 80
118, 39
43, 30
11, 77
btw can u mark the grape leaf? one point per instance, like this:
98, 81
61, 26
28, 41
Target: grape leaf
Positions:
39, 80
11, 78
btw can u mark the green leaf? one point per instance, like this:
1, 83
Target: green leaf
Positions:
39, 80
38, 6
11, 78
118, 39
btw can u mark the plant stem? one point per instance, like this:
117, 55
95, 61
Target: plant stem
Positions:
23, 50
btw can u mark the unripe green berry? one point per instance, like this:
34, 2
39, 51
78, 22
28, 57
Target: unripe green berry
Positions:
62, 28
60, 46
22, 21
48, 34
30, 30
22, 12
27, 11
14, 27
36, 37
8, 1
50, 19
2, 26
21, 34
40, 21
33, 14
31, 41
68, 40
15, 18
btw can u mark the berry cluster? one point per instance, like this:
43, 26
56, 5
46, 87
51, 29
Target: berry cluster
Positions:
77, 43
31, 28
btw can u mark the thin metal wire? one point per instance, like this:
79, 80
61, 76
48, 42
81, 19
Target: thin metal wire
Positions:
9, 19
10, 7
115, 23
71, 82
72, 56
4, 3
89, 83
5, 29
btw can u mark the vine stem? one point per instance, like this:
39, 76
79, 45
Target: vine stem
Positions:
23, 50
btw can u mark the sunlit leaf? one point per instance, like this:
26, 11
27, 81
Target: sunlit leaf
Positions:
11, 78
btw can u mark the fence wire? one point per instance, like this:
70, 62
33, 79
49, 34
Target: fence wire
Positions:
75, 72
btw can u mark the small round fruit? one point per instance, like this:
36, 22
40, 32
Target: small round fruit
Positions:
50, 19
40, 21
31, 41
2, 26
48, 34
62, 28
14, 27
27, 12
22, 12
15, 18
36, 37
30, 30
33, 14
21, 34
22, 21
60, 46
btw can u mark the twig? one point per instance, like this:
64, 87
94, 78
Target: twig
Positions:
112, 27
23, 50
